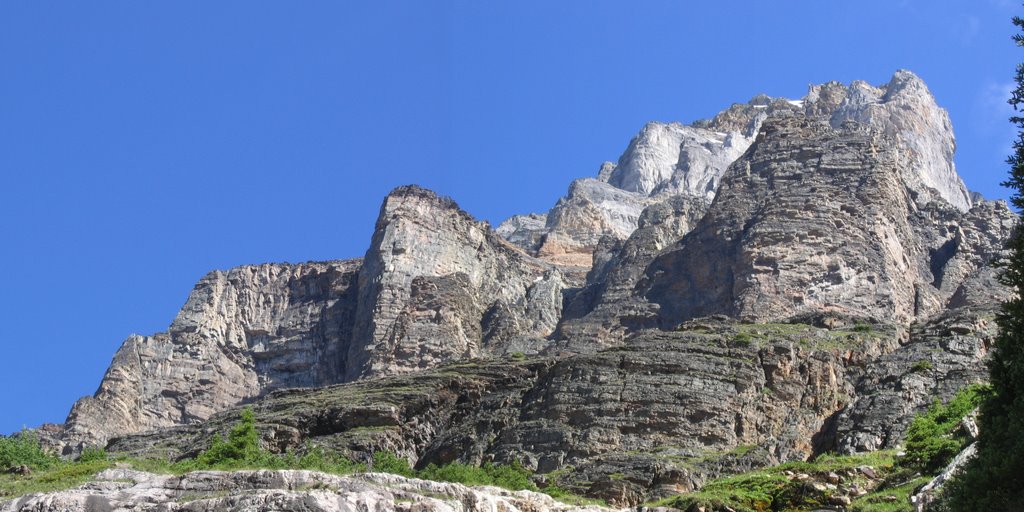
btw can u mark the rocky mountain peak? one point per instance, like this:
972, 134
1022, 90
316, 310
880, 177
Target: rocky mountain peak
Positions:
668, 159
904, 109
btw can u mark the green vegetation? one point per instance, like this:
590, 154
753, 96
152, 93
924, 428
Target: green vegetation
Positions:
774, 489
46, 471
512, 476
932, 438
994, 479
921, 366
743, 338
889, 498
387, 462
57, 476
93, 453
23, 449
240, 449
932, 441
748, 492
241, 446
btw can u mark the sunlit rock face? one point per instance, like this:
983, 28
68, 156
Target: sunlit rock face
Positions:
667, 159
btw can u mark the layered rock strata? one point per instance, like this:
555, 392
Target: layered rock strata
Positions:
241, 332
813, 221
666, 410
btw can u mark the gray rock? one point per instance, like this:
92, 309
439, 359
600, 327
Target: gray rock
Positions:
436, 285
240, 333
524, 231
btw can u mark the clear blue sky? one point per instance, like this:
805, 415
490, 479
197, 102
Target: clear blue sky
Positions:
143, 144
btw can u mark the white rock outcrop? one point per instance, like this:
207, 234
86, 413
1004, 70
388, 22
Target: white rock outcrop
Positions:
207, 491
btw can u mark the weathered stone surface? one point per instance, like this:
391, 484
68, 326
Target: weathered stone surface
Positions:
660, 414
905, 110
124, 489
662, 161
942, 357
812, 221
436, 285
592, 209
241, 332
524, 230
928, 496
611, 308
674, 159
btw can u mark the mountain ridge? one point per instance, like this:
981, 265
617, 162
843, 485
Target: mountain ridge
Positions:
645, 304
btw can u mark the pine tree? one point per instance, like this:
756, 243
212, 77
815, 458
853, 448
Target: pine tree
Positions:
994, 479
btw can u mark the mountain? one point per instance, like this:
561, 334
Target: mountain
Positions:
769, 279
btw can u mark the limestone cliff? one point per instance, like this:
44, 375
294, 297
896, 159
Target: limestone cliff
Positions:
667, 159
812, 222
435, 286
241, 332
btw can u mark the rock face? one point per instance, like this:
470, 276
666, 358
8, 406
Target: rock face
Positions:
905, 110
435, 286
667, 159
812, 221
785, 278
124, 489
660, 414
663, 161
241, 332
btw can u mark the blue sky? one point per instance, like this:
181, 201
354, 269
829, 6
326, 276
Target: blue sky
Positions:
143, 144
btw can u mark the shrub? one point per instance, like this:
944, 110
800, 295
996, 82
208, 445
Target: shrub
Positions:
931, 441
749, 491
23, 449
513, 476
862, 328
920, 366
743, 338
387, 462
316, 459
241, 446
91, 454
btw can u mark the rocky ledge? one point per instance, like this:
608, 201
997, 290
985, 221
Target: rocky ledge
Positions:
126, 489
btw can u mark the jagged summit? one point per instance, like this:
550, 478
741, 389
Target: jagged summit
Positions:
666, 159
